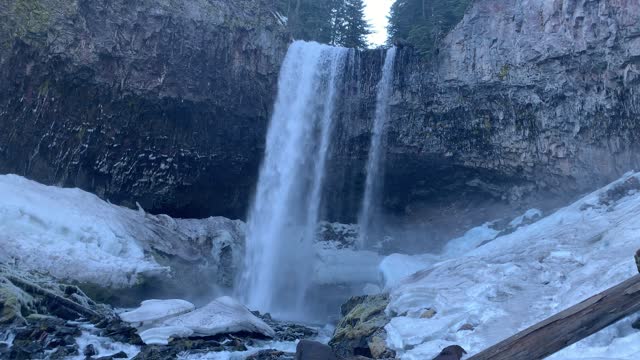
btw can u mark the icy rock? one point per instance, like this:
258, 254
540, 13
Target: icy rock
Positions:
340, 235
162, 335
221, 316
157, 310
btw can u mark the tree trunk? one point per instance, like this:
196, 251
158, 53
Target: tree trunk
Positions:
569, 326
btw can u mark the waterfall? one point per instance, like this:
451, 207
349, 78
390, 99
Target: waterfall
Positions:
283, 219
374, 181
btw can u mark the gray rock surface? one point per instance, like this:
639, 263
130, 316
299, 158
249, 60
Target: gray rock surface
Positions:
527, 103
158, 102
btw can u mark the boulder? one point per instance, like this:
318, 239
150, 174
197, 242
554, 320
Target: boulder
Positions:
454, 352
271, 354
313, 350
361, 330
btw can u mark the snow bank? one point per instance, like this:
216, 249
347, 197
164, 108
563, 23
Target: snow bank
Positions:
519, 279
161, 335
74, 235
396, 267
69, 233
221, 316
160, 320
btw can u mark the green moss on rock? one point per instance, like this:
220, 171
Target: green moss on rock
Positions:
361, 330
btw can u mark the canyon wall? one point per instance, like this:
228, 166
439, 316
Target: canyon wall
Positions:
526, 103
160, 102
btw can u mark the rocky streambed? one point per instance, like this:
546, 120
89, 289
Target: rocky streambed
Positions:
42, 318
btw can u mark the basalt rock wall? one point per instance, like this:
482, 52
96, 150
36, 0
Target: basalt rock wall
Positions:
160, 102
526, 102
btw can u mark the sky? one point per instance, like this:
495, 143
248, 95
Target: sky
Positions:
377, 12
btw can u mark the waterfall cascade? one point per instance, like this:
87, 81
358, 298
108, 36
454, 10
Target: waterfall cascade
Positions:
374, 181
283, 219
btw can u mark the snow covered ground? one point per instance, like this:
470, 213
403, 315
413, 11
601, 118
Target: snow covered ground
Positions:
74, 235
69, 233
485, 294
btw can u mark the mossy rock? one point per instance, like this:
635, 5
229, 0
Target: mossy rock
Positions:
361, 330
13, 303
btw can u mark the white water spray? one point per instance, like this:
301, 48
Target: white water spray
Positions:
283, 219
374, 181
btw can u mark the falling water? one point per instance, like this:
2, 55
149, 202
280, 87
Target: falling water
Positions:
283, 219
374, 182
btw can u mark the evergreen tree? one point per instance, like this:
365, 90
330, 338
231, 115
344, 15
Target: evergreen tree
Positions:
351, 26
335, 22
424, 23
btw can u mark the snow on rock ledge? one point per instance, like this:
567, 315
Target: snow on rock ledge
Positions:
489, 293
157, 310
221, 316
175, 318
74, 235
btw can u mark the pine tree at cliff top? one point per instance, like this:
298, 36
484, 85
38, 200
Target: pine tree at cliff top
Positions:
424, 23
352, 28
335, 22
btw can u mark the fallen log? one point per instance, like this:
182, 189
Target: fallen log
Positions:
569, 326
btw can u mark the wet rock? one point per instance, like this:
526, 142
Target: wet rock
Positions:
467, 327
271, 355
120, 355
454, 352
199, 345
90, 351
313, 350
44, 334
361, 330
120, 331
64, 352
285, 330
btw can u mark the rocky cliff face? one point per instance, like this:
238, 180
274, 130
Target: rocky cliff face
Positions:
159, 102
167, 104
525, 100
